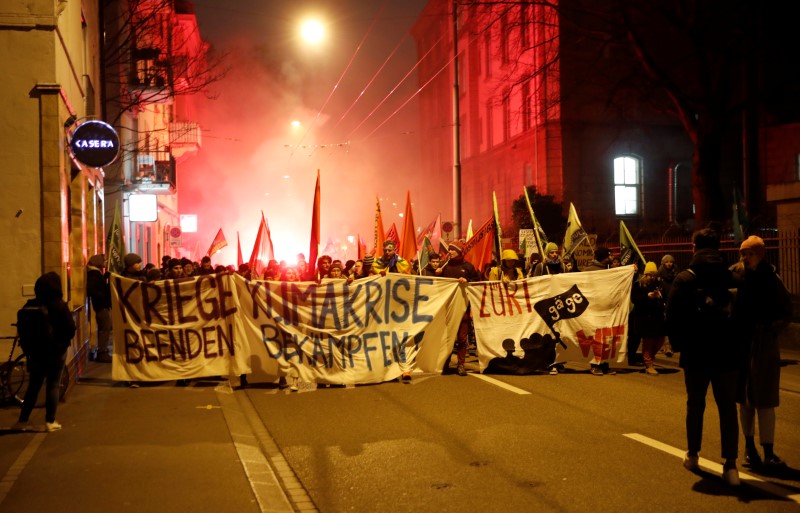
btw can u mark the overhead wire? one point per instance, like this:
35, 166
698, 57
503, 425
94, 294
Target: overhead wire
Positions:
352, 58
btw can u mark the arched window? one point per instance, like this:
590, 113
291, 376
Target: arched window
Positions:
627, 184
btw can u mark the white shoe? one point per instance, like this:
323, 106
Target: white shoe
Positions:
22, 426
52, 426
731, 476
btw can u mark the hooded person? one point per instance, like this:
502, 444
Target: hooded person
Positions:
508, 270
99, 292
45, 358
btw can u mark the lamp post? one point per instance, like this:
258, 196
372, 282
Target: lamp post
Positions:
456, 130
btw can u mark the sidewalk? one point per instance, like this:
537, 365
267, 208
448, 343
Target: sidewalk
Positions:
178, 449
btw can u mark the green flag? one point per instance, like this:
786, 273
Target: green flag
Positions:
575, 233
628, 249
498, 247
115, 244
424, 250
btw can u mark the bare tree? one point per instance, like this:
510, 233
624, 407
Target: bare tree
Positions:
150, 56
707, 62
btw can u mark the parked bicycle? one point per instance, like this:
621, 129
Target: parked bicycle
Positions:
13, 373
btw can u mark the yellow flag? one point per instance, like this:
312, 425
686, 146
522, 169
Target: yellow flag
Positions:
575, 233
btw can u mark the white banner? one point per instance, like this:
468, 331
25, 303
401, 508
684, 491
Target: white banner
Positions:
368, 331
518, 323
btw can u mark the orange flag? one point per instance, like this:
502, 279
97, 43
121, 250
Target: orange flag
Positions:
218, 243
313, 249
478, 248
408, 242
362, 248
379, 233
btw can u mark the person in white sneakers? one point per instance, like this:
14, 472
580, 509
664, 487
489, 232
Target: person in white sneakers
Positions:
46, 327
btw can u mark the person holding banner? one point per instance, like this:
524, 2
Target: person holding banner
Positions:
602, 260
551, 264
457, 267
508, 270
647, 316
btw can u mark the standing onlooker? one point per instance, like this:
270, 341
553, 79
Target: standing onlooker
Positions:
666, 275
461, 269
99, 292
761, 310
701, 330
46, 357
647, 315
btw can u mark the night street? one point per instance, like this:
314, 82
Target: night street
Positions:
572, 442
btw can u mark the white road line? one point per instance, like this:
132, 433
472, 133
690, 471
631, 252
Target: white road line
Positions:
756, 482
500, 384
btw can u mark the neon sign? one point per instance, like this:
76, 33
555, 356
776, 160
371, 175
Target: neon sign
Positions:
94, 143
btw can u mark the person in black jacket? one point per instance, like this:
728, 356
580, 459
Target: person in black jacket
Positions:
699, 328
457, 267
99, 292
46, 357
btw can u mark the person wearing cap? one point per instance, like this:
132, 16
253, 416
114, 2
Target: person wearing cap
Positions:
390, 261
133, 267
175, 269
551, 264
648, 315
508, 270
761, 310
457, 267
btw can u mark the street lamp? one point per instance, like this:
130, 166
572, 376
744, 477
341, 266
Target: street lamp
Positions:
312, 31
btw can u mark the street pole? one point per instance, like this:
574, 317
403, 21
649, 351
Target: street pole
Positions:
456, 131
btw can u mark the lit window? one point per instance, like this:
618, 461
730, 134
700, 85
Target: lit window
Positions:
626, 185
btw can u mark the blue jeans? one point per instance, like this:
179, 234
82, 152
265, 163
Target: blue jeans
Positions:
40, 369
723, 385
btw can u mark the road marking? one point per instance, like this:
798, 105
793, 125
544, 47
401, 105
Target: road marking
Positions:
19, 465
500, 384
755, 482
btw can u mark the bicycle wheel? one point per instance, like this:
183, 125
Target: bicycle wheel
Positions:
16, 377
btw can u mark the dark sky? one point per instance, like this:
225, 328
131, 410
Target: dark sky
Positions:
245, 165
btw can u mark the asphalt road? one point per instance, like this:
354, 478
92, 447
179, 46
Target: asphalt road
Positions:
567, 443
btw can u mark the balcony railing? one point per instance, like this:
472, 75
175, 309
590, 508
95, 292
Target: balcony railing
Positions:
184, 137
154, 172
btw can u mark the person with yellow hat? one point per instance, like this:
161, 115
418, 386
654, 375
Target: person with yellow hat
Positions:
508, 270
762, 309
647, 315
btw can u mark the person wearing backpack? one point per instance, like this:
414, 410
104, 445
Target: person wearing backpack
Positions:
46, 327
762, 309
699, 326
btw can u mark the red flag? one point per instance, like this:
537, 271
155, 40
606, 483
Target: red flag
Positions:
391, 235
218, 243
433, 231
262, 250
239, 260
313, 249
408, 243
379, 233
478, 249
362, 248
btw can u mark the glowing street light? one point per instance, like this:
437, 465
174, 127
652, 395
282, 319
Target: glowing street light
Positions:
312, 31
